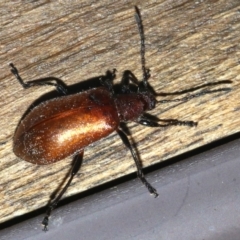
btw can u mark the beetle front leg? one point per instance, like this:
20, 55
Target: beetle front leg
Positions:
145, 121
140, 174
60, 87
125, 82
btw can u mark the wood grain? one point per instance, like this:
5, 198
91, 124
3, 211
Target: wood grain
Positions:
188, 43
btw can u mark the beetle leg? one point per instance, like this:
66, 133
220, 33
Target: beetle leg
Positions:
107, 81
129, 76
140, 174
146, 121
59, 85
126, 78
77, 162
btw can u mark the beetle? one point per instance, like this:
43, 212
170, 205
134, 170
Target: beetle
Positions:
66, 125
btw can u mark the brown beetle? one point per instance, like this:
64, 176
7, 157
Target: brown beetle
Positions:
64, 126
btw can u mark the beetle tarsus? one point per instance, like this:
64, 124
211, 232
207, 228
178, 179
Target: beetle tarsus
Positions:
146, 121
45, 223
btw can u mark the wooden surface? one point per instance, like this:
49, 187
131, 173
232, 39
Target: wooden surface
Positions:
188, 43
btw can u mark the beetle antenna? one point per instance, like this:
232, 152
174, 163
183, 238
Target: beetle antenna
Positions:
145, 71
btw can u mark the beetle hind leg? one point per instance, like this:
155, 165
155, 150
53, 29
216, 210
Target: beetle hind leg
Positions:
77, 162
59, 85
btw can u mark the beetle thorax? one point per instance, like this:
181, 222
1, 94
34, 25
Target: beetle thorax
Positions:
131, 106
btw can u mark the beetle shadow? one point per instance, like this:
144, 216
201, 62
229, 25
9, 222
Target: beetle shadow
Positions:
192, 89
72, 89
85, 85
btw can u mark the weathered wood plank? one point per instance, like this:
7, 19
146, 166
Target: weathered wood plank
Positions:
188, 43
